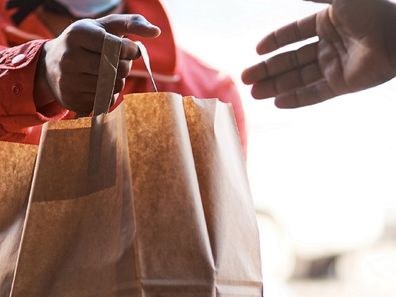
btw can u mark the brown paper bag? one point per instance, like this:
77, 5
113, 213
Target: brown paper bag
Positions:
17, 161
196, 231
150, 200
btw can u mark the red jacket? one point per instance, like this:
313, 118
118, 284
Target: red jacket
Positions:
174, 70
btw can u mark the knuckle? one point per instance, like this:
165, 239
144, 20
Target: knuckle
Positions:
265, 69
80, 30
127, 44
70, 38
75, 30
138, 18
129, 50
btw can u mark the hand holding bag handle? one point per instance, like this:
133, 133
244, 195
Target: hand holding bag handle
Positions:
104, 92
108, 72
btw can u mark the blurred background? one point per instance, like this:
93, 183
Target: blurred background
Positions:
322, 177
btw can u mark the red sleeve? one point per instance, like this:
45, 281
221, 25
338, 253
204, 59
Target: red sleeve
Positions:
17, 108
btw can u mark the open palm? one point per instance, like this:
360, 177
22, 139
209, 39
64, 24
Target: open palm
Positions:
354, 52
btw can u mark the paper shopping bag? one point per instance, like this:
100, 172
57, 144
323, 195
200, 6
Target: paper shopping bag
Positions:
17, 162
196, 233
150, 200
79, 227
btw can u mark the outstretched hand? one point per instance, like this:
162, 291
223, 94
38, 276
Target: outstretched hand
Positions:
69, 65
356, 50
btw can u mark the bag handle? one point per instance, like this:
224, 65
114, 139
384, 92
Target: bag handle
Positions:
104, 93
108, 72
146, 61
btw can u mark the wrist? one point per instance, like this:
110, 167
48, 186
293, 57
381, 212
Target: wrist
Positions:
42, 91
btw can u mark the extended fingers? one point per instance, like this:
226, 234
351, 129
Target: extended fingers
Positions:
287, 82
280, 64
121, 24
294, 32
90, 34
308, 95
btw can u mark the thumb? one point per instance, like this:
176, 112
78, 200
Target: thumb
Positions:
121, 24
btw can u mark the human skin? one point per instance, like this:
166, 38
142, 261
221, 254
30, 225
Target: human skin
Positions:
69, 64
356, 50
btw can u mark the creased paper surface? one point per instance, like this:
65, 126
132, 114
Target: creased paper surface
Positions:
167, 214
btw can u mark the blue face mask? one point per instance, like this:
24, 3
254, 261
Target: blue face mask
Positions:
88, 8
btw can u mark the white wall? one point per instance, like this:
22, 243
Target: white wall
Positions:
326, 171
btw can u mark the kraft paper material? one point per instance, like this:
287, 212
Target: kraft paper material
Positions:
167, 211
17, 162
